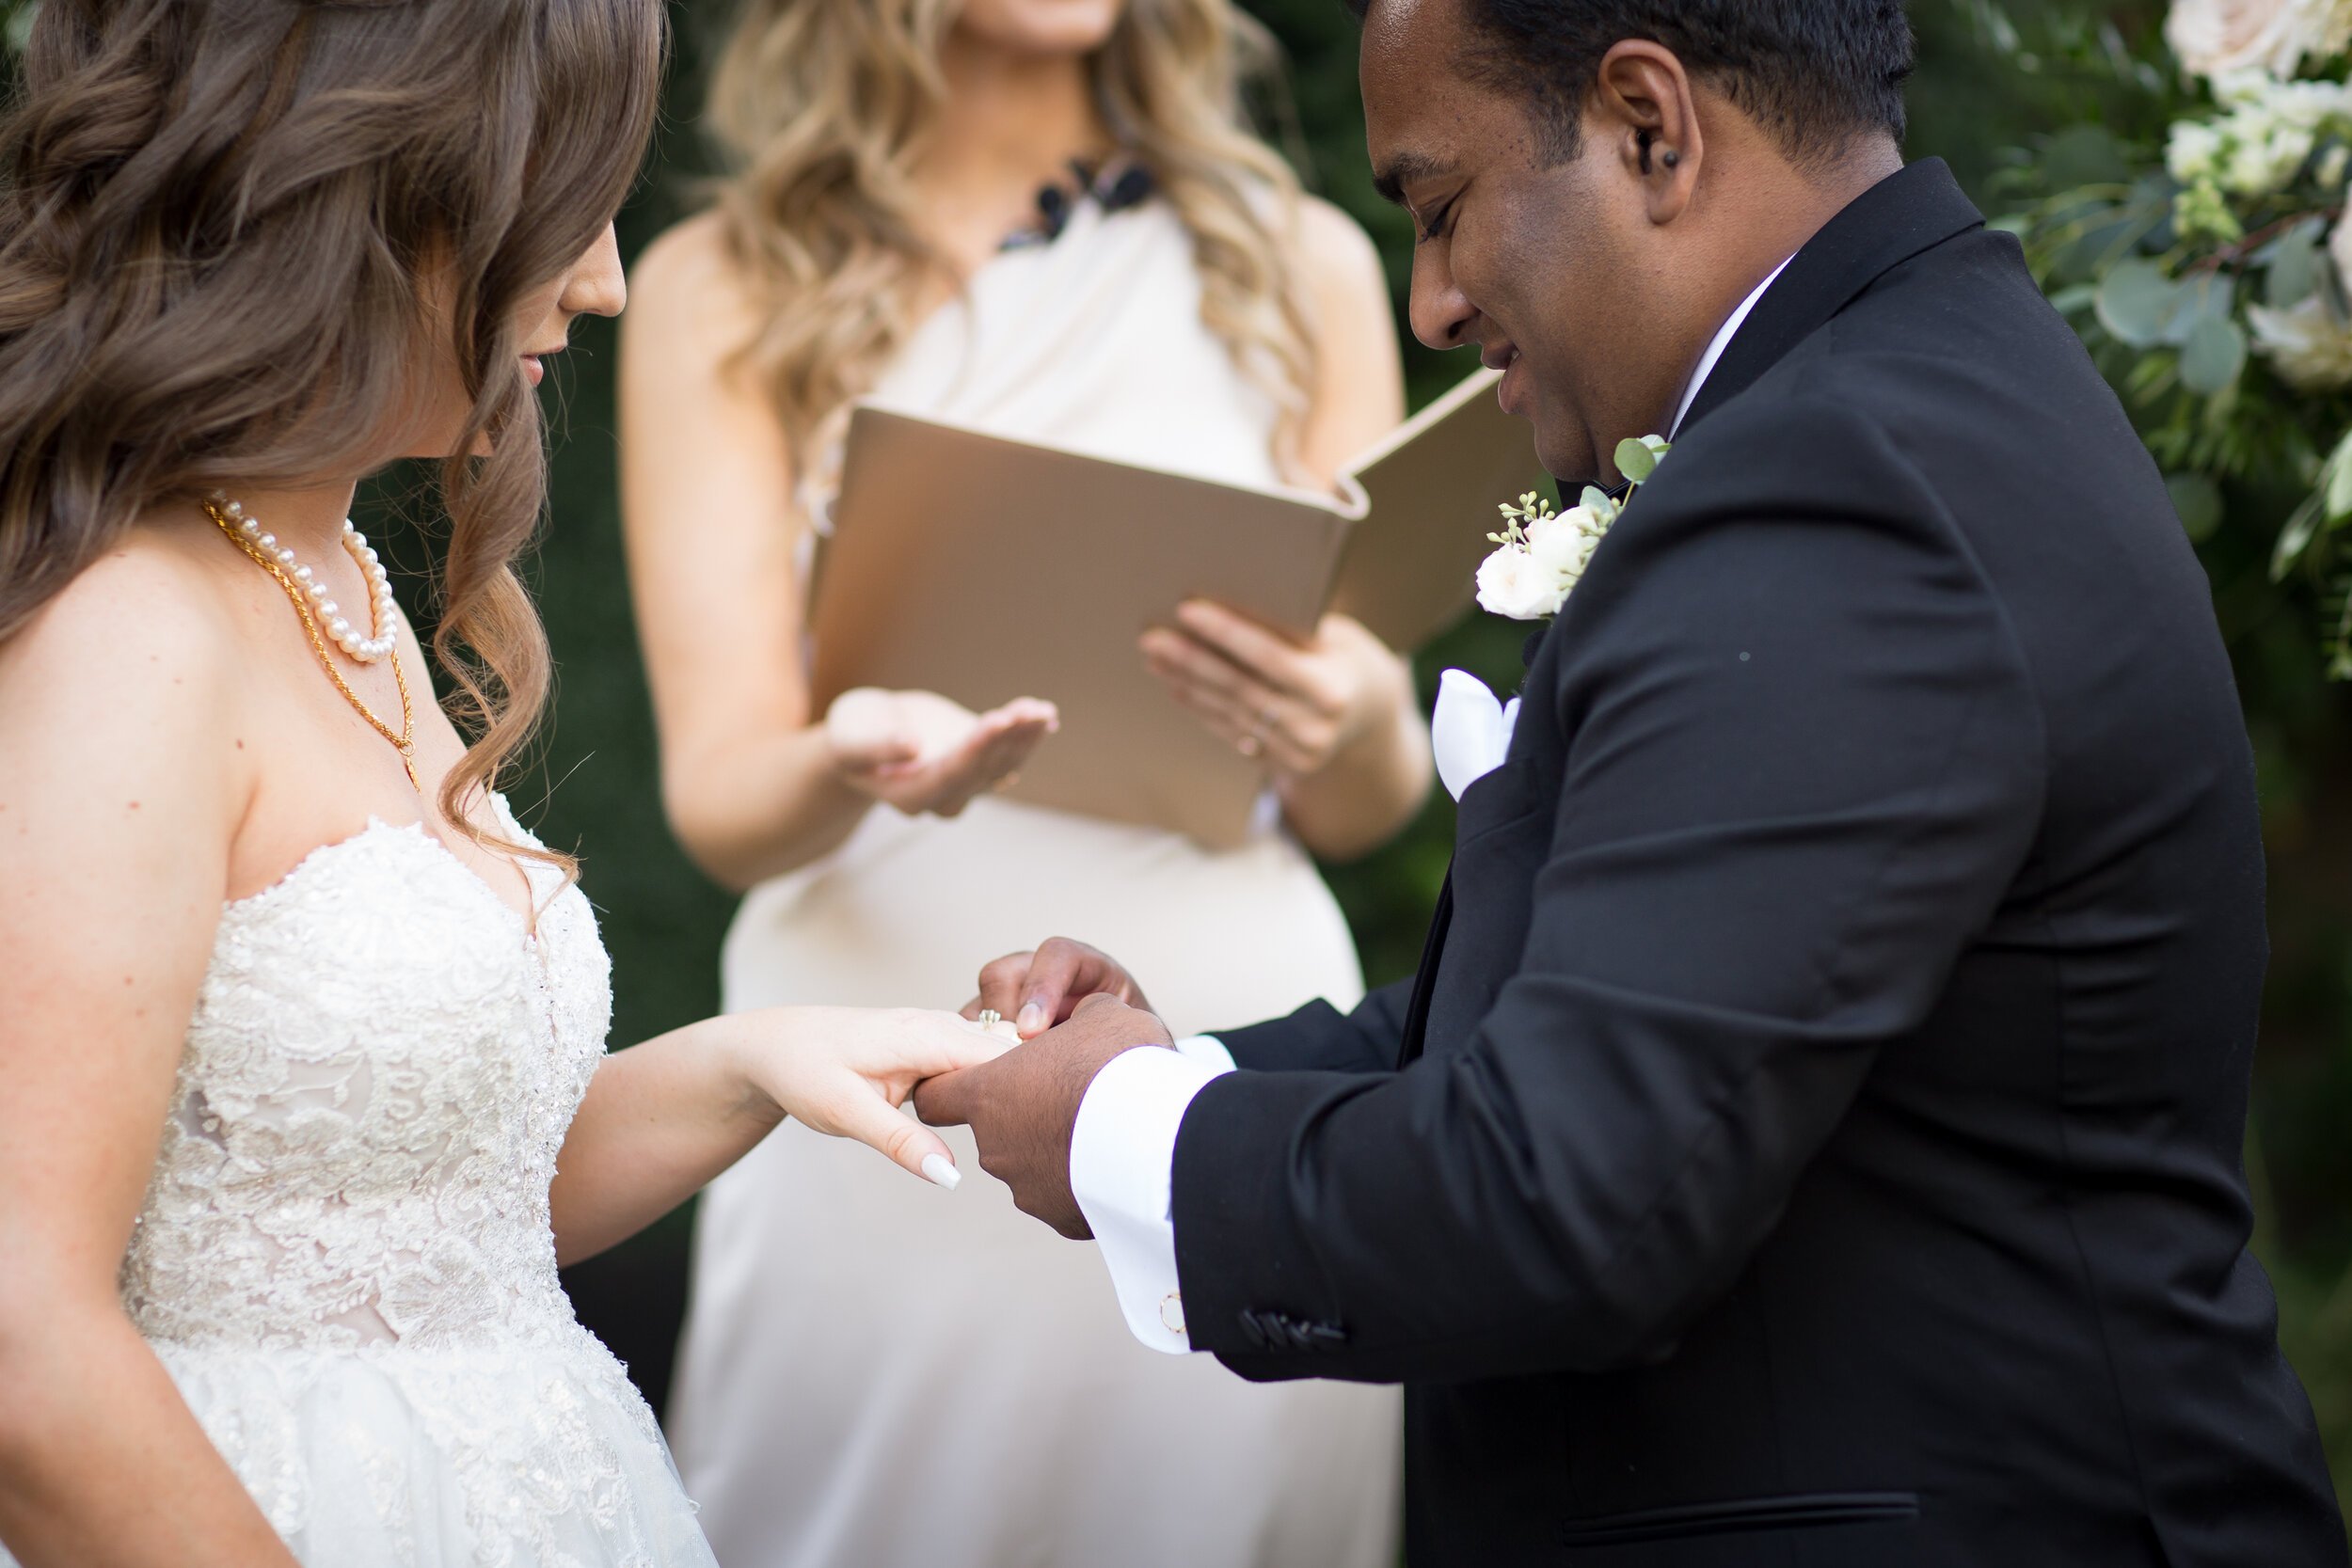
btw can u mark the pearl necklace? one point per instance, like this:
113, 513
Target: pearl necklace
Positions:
279, 563
359, 648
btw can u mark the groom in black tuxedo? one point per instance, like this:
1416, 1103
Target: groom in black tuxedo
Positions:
1813, 1136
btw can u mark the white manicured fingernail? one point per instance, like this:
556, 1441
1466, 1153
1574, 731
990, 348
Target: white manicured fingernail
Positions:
940, 1169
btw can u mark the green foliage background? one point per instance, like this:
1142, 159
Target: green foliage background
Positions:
1980, 102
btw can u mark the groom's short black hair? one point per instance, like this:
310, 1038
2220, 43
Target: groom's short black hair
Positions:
1816, 72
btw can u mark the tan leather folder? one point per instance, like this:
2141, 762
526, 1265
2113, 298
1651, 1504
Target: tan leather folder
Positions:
988, 569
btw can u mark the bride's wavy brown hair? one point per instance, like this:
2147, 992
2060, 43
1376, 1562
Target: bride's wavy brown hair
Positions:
822, 108
229, 232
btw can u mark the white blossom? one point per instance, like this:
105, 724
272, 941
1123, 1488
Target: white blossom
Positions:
2339, 252
2216, 38
2308, 344
2193, 151
1511, 584
1542, 554
1564, 543
2265, 131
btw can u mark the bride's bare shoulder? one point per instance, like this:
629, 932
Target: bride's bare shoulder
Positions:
136, 655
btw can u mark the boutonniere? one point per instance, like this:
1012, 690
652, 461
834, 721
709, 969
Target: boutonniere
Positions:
1543, 552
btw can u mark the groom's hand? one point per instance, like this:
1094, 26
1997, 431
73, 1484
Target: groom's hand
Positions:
1022, 1107
1040, 989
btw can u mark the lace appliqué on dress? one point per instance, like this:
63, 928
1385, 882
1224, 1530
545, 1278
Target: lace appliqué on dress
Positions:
344, 1256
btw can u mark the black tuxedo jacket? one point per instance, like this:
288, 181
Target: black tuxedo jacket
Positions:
1814, 1136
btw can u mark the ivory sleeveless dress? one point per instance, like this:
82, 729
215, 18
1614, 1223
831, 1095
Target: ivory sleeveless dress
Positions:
344, 1258
876, 1372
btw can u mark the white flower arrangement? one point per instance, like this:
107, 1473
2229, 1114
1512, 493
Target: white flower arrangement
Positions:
1541, 552
2259, 142
2215, 38
2272, 141
2306, 343
2213, 286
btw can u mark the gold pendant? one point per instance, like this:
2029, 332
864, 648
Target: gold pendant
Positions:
409, 762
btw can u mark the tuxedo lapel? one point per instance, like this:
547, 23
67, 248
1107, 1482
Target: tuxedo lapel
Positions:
1914, 208
1426, 979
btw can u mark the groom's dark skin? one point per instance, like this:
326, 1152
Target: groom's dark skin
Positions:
1607, 268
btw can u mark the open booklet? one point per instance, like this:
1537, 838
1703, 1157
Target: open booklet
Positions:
987, 569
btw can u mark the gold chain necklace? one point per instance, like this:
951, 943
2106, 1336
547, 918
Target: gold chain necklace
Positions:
404, 740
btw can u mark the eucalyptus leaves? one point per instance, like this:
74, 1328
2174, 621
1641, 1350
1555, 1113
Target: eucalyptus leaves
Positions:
2198, 241
1541, 552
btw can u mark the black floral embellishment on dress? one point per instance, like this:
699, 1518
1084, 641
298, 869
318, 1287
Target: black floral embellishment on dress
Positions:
1115, 185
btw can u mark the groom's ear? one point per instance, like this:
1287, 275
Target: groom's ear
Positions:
1645, 115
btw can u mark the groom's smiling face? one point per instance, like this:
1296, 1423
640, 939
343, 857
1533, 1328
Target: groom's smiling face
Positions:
1545, 258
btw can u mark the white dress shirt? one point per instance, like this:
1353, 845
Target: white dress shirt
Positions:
1122, 1151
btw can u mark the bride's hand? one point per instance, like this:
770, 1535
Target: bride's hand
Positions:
919, 752
845, 1071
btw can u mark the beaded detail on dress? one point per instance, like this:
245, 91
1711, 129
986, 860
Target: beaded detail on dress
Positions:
344, 1256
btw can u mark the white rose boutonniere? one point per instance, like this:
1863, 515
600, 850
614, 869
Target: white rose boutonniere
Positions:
1543, 552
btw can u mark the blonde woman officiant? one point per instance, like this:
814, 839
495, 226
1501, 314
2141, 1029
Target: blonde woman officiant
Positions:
1042, 218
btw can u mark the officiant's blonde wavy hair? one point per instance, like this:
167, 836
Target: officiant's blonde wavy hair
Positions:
823, 106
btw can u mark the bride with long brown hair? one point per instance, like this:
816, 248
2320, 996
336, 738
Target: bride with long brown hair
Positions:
963, 1397
297, 1024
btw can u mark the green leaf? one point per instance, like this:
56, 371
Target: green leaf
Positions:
2294, 263
2214, 356
2098, 247
2197, 500
1635, 460
2337, 482
2199, 297
2294, 538
2084, 155
1593, 499
2136, 303
2078, 297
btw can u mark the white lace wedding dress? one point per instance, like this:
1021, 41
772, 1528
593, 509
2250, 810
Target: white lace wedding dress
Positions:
344, 1256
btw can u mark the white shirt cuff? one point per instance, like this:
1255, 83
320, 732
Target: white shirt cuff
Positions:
1208, 1050
1122, 1153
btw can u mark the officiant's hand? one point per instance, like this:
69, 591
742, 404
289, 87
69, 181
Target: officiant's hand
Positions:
1298, 705
921, 753
1040, 989
1022, 1107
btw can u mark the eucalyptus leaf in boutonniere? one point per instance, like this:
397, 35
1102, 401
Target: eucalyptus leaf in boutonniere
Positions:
1543, 552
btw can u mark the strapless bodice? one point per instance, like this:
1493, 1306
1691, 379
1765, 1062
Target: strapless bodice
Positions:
379, 1071
344, 1259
